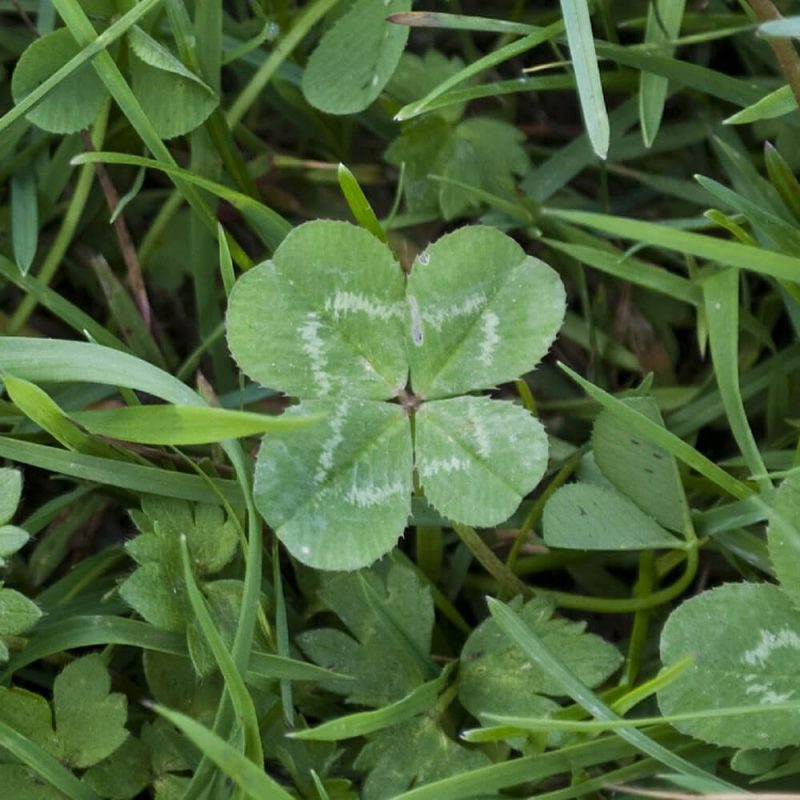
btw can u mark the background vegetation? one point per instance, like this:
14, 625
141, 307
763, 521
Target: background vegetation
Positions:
158, 640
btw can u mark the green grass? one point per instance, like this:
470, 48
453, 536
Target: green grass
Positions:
322, 510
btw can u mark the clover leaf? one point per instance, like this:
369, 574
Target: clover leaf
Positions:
333, 320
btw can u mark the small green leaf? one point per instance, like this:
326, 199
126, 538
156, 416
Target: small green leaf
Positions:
745, 641
90, 721
359, 205
338, 493
12, 539
783, 537
10, 493
17, 612
356, 57
642, 471
124, 774
497, 677
75, 102
384, 667
412, 754
324, 317
482, 312
586, 517
157, 74
775, 104
156, 589
477, 457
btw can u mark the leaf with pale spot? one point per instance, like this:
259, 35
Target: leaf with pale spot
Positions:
744, 639
482, 312
338, 493
477, 457
326, 317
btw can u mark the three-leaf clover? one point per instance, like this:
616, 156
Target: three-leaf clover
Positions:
334, 320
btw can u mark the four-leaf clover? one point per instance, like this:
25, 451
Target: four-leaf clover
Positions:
333, 320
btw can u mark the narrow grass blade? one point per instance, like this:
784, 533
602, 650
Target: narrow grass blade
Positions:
234, 684
633, 270
754, 259
662, 437
183, 425
44, 765
459, 22
663, 23
270, 226
244, 773
418, 701
721, 297
359, 205
773, 105
119, 474
580, 39
786, 28
525, 638
491, 60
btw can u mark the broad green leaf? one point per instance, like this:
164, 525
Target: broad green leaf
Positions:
412, 754
17, 613
745, 641
90, 721
783, 537
641, 470
578, 24
477, 457
497, 677
338, 493
182, 425
10, 493
75, 102
325, 317
156, 589
356, 57
384, 666
157, 74
663, 23
586, 517
482, 312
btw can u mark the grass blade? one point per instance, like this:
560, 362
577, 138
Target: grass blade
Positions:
244, 773
24, 217
578, 24
359, 205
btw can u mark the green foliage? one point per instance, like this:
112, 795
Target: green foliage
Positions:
475, 312
497, 677
156, 588
477, 534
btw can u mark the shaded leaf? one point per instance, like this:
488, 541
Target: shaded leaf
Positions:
75, 102
586, 517
356, 57
783, 537
10, 493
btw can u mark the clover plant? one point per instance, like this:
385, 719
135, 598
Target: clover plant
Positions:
390, 359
